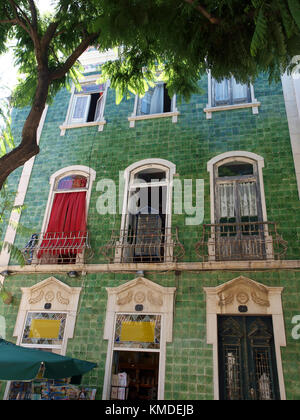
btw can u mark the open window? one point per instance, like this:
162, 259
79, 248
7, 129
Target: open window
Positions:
156, 103
146, 222
86, 106
64, 238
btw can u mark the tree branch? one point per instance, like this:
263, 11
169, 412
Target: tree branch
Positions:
85, 43
203, 11
33, 13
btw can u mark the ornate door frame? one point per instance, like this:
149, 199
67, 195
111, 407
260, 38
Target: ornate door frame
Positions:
139, 296
235, 296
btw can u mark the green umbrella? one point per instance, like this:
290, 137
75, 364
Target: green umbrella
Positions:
23, 364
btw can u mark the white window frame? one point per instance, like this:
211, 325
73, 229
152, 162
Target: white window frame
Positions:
70, 123
210, 108
240, 156
134, 117
160, 164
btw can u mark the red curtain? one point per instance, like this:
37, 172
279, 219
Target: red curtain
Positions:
66, 230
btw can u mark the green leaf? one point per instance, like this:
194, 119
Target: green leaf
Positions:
294, 6
259, 33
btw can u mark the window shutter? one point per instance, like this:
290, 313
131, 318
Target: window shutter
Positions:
80, 108
98, 111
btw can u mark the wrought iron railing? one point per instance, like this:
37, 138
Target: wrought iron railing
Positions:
58, 248
240, 241
150, 246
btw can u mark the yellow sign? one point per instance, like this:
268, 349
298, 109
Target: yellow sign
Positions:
44, 328
138, 331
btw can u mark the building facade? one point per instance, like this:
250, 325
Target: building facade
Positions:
164, 240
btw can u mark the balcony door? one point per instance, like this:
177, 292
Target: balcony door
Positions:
146, 225
247, 361
239, 231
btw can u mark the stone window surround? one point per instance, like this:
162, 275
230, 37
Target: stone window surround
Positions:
254, 104
61, 173
130, 171
248, 157
67, 125
261, 300
63, 299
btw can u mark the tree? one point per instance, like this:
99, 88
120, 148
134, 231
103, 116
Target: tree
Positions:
229, 37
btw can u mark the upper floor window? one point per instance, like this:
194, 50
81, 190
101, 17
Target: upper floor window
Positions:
228, 94
64, 237
156, 103
146, 223
86, 106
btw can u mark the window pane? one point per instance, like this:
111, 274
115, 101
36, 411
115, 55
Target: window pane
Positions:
138, 331
80, 107
235, 169
72, 182
247, 195
222, 91
90, 88
239, 92
44, 328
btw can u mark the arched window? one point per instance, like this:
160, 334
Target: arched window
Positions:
146, 220
238, 211
64, 234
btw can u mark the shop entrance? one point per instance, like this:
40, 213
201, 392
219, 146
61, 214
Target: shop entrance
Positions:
134, 375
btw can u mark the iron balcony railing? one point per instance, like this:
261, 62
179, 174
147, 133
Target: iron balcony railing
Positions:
58, 248
240, 241
150, 246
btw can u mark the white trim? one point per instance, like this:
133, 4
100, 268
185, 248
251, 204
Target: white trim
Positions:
173, 114
254, 104
121, 299
68, 124
233, 155
20, 198
271, 304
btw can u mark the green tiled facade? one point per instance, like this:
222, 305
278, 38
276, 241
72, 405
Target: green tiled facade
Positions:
189, 144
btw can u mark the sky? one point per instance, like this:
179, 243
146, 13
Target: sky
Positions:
8, 72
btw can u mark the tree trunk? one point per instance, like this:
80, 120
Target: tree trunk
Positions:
28, 146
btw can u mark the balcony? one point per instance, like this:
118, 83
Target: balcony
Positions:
240, 241
151, 246
58, 248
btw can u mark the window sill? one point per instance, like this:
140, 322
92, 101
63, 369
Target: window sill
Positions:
135, 118
65, 127
210, 110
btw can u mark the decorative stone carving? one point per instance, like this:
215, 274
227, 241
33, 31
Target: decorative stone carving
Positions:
155, 300
35, 299
242, 297
49, 296
123, 300
61, 299
139, 297
225, 299
260, 301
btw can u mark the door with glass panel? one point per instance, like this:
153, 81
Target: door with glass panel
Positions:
239, 231
247, 361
